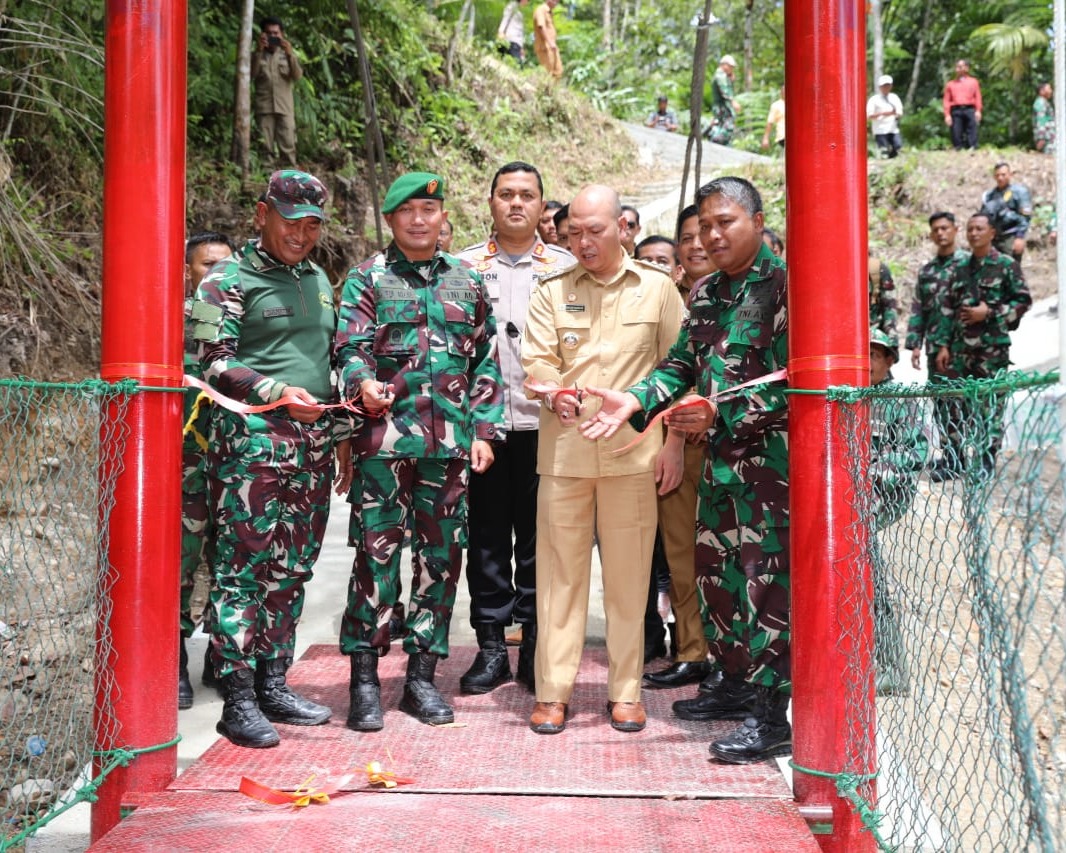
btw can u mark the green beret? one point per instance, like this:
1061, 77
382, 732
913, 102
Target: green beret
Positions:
882, 339
413, 185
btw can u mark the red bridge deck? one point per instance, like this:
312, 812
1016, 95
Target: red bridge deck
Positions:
488, 783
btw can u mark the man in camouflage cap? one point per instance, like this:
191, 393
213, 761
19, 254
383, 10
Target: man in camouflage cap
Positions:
416, 348
265, 321
737, 332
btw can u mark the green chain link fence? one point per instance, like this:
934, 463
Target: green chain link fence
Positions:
53, 585
960, 501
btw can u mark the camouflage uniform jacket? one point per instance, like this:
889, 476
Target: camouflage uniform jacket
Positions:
736, 331
934, 279
263, 325
1044, 124
722, 92
190, 359
884, 309
427, 329
508, 283
899, 446
996, 280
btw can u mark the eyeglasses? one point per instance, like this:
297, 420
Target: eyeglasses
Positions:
631, 224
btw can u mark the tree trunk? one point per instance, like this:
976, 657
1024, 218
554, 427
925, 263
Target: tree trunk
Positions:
242, 95
374, 142
919, 55
749, 46
877, 38
607, 24
699, 75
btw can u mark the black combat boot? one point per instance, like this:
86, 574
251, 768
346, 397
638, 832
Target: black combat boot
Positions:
184, 685
364, 709
277, 700
765, 734
491, 666
420, 697
729, 699
527, 653
242, 722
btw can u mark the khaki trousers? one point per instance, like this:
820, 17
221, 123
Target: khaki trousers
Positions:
677, 524
621, 512
279, 128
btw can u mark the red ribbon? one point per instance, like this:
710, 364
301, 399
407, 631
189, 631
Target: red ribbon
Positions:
701, 402
302, 796
232, 405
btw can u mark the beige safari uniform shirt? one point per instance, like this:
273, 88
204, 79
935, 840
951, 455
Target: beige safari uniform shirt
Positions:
274, 75
581, 332
509, 284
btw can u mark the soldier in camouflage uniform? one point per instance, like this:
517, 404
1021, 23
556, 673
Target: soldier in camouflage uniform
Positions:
737, 331
930, 290
202, 251
1044, 120
503, 500
416, 346
724, 105
265, 321
884, 309
984, 303
898, 450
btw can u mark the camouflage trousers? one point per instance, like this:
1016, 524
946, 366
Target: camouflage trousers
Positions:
270, 480
387, 497
723, 125
742, 571
973, 427
197, 534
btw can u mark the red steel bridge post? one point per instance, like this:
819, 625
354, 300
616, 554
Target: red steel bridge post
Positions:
825, 81
143, 238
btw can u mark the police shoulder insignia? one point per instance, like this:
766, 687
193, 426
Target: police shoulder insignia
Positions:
551, 276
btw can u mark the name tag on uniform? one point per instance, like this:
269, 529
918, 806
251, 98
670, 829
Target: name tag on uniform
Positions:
397, 294
757, 309
282, 311
574, 309
454, 295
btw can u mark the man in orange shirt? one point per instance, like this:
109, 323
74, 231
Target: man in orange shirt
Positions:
962, 106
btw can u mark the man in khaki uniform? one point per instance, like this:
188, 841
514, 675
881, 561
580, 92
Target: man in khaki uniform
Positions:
608, 320
544, 42
275, 69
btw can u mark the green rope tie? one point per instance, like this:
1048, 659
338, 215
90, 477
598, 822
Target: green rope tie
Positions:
847, 785
120, 757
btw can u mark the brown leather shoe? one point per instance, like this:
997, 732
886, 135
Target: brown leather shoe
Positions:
548, 718
627, 716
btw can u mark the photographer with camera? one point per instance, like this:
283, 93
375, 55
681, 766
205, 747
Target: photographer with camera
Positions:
275, 69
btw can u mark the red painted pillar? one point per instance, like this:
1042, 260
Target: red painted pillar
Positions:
825, 83
144, 216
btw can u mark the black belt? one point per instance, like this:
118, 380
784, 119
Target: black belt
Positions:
964, 107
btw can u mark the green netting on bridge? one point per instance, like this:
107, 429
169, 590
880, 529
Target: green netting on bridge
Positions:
60, 452
959, 494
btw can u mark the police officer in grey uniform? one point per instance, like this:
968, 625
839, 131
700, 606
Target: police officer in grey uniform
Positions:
503, 499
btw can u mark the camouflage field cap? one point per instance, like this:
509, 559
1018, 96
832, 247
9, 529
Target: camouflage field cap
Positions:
881, 339
296, 194
413, 185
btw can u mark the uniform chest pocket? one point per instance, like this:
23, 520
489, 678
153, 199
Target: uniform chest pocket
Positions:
398, 322
573, 330
460, 321
752, 325
640, 329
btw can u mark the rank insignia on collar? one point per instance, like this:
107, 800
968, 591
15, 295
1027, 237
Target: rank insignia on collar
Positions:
491, 247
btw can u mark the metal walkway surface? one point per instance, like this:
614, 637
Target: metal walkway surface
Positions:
485, 783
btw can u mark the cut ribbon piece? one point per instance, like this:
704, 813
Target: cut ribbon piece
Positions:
240, 408
376, 775
703, 401
304, 795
